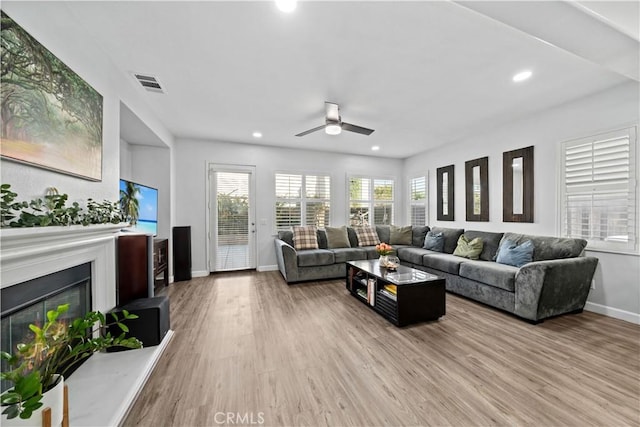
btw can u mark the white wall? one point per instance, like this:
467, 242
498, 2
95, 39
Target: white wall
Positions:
125, 161
150, 167
53, 25
191, 158
617, 277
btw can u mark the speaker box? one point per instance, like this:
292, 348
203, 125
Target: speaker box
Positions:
151, 325
181, 253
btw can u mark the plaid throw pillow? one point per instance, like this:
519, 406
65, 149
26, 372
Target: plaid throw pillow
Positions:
367, 236
305, 237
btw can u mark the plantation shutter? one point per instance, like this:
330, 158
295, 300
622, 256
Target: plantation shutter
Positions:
383, 201
418, 200
599, 194
288, 201
318, 197
370, 201
302, 200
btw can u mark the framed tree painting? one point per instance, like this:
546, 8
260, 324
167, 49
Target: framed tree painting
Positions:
51, 117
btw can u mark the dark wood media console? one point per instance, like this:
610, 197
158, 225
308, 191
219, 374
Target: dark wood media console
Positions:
143, 266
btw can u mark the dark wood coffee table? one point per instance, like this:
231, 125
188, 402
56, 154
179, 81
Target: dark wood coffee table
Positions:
420, 296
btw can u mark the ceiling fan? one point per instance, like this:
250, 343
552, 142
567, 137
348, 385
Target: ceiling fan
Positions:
334, 124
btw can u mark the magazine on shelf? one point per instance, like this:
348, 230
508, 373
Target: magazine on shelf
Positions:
389, 295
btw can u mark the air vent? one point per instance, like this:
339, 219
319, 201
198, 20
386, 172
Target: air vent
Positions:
150, 83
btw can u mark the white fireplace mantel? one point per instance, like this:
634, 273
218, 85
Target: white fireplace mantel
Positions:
29, 253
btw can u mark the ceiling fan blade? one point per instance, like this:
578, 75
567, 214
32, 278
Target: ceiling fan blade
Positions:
356, 129
332, 111
306, 132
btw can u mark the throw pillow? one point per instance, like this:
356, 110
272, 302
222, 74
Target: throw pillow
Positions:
400, 235
511, 253
469, 248
337, 237
434, 241
305, 237
367, 236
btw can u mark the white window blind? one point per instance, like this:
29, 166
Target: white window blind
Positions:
371, 201
599, 195
302, 200
418, 200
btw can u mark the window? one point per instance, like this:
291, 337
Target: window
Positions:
418, 200
302, 200
370, 201
598, 190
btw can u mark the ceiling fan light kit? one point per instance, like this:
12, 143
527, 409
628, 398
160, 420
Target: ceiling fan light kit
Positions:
334, 124
333, 129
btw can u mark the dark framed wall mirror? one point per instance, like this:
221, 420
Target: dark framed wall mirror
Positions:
517, 182
476, 176
444, 182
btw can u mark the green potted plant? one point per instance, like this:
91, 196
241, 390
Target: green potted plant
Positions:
39, 365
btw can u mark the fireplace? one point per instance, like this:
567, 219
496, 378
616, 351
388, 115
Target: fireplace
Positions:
28, 302
31, 253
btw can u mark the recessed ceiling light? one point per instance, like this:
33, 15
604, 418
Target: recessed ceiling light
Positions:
522, 76
257, 134
375, 148
286, 6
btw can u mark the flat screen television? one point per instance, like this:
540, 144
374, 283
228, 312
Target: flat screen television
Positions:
143, 204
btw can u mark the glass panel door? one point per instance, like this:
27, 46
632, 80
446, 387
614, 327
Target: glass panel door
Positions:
233, 224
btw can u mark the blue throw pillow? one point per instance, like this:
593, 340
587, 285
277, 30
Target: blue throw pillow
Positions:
434, 242
511, 253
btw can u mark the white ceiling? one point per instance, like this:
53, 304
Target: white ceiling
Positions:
422, 74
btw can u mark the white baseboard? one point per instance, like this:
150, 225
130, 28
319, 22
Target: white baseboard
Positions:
262, 268
613, 312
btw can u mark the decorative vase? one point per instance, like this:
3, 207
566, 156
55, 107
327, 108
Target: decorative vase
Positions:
53, 399
383, 260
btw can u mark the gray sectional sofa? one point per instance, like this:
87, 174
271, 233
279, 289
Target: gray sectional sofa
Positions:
556, 282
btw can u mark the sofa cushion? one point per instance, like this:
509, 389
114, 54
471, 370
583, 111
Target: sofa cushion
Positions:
401, 235
367, 235
337, 237
469, 248
384, 233
490, 242
322, 239
418, 234
490, 273
348, 254
305, 237
451, 236
412, 254
434, 242
443, 262
548, 248
515, 255
315, 257
353, 238
286, 236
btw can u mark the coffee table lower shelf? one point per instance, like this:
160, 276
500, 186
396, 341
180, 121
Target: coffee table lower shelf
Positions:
419, 297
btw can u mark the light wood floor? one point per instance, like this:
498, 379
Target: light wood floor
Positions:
311, 354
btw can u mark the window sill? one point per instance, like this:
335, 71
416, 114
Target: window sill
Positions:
612, 251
